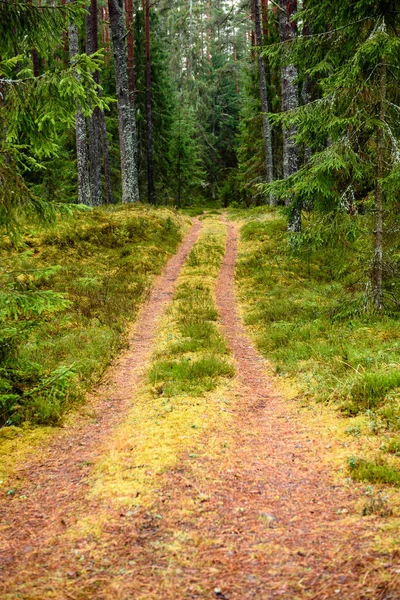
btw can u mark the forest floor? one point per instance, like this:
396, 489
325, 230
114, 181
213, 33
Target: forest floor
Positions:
244, 502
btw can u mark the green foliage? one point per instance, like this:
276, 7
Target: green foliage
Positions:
66, 295
189, 376
392, 447
352, 65
368, 389
364, 470
306, 315
24, 25
186, 174
36, 110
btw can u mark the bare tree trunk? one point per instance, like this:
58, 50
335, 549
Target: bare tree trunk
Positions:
149, 112
269, 166
264, 8
131, 47
126, 117
290, 101
190, 49
94, 128
306, 90
377, 269
105, 30
80, 127
65, 40
106, 159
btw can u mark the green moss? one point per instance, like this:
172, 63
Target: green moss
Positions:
392, 447
364, 470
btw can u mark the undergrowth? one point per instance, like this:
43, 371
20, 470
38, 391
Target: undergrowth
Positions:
66, 295
306, 308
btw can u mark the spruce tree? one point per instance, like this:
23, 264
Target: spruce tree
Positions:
34, 109
354, 52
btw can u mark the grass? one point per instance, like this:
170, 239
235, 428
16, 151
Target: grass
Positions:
187, 390
194, 359
392, 446
305, 311
101, 264
374, 472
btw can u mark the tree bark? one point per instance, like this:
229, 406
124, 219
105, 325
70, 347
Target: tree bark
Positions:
269, 166
149, 109
306, 90
264, 8
35, 58
290, 101
106, 159
80, 128
94, 127
126, 117
130, 40
377, 269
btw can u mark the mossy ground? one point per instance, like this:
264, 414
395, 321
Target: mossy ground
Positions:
103, 262
309, 322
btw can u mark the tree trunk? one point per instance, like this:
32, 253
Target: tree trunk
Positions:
377, 269
106, 159
126, 117
35, 57
290, 101
131, 49
269, 166
149, 113
264, 8
190, 50
306, 90
80, 127
94, 128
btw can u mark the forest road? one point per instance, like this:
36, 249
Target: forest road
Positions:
255, 515
51, 487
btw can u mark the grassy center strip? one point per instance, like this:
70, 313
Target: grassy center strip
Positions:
187, 387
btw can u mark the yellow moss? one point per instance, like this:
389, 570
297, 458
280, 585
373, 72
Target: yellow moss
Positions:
18, 443
150, 442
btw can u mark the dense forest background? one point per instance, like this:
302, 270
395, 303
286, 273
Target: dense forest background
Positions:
191, 104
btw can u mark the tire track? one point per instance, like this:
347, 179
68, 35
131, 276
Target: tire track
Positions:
50, 487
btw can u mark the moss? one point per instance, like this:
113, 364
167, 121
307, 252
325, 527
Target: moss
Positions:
374, 472
103, 262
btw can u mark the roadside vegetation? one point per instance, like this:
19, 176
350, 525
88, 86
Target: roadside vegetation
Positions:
305, 307
67, 293
186, 389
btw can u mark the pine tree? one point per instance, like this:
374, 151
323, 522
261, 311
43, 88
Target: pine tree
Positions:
34, 109
84, 195
269, 166
94, 121
126, 116
290, 101
149, 106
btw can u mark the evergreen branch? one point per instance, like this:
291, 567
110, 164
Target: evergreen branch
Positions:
318, 35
